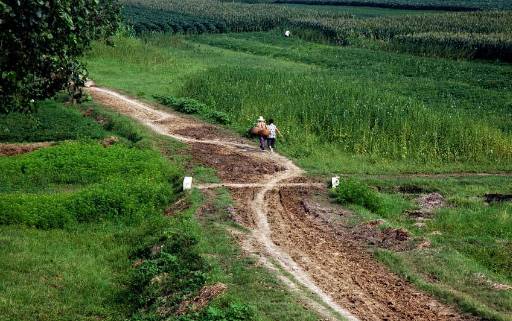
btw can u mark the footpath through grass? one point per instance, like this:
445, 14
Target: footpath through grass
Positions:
341, 109
80, 222
356, 110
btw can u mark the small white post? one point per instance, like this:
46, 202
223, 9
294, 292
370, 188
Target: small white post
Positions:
335, 181
187, 183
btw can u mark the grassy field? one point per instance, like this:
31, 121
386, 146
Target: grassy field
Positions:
384, 113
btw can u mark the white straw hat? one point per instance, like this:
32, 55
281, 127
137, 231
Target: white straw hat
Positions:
261, 118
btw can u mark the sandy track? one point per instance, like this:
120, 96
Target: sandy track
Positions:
309, 255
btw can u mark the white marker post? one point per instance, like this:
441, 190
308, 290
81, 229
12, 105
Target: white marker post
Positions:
187, 183
335, 181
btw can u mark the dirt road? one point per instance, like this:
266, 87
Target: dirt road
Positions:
292, 235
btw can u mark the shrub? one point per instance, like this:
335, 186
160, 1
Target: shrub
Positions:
352, 191
167, 278
192, 106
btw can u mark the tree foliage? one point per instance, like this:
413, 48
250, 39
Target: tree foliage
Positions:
41, 41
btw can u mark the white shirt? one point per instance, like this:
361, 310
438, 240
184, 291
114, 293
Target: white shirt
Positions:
272, 128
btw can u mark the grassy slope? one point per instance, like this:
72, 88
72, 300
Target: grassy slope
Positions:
360, 78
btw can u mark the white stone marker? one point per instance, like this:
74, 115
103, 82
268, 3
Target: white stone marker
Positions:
335, 181
187, 183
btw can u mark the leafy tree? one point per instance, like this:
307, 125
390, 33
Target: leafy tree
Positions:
41, 41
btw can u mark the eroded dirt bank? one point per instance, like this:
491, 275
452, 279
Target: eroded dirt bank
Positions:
298, 241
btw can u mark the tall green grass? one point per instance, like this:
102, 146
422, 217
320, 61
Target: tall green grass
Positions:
318, 107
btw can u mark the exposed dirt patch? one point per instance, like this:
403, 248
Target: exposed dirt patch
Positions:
205, 296
338, 261
233, 166
200, 132
16, 149
427, 204
240, 213
396, 239
305, 180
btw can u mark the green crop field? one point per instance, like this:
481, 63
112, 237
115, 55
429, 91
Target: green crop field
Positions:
454, 5
476, 35
401, 98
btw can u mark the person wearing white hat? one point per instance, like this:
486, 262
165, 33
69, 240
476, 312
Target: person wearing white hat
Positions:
262, 127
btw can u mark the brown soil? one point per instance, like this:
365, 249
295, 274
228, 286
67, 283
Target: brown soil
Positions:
292, 231
233, 166
241, 213
205, 296
427, 205
16, 149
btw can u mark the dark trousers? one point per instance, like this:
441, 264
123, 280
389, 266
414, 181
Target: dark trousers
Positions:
271, 142
262, 142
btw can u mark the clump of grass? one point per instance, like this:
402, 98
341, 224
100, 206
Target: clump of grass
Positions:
352, 191
192, 106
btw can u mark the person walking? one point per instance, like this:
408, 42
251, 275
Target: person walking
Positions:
273, 131
262, 129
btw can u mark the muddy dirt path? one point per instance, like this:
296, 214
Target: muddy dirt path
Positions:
327, 266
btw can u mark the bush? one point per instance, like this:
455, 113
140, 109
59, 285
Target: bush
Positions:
167, 278
192, 106
351, 191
